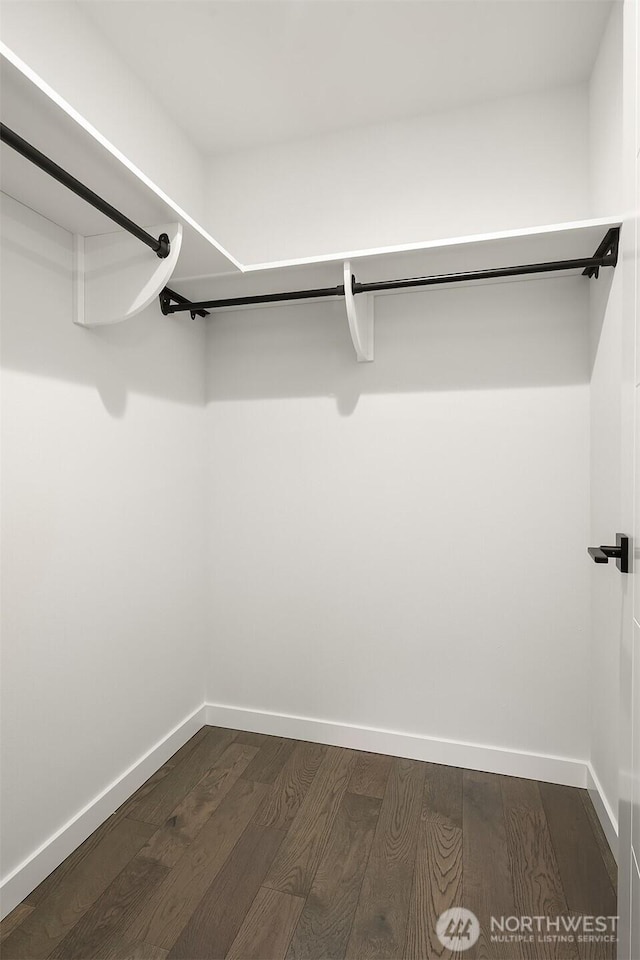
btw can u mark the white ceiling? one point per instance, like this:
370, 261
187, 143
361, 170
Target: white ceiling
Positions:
245, 72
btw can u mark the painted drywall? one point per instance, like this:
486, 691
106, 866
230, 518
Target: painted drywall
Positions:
606, 186
269, 72
103, 540
606, 471
401, 544
520, 161
63, 46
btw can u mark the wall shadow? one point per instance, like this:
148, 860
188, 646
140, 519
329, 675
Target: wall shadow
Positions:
532, 333
599, 294
149, 354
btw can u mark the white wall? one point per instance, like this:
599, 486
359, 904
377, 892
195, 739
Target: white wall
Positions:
606, 187
516, 162
402, 544
103, 539
60, 43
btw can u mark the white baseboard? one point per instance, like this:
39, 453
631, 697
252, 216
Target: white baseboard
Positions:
606, 815
32, 871
21, 881
454, 753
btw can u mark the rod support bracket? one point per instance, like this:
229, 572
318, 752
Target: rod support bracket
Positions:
115, 277
164, 249
360, 316
165, 302
168, 297
607, 253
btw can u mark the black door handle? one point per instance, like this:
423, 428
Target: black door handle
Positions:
619, 553
598, 554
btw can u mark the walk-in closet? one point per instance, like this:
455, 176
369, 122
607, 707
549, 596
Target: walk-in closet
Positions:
320, 499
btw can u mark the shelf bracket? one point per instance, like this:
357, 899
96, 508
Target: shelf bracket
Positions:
360, 315
167, 297
607, 252
114, 276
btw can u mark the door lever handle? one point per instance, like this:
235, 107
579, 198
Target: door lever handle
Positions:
598, 554
619, 553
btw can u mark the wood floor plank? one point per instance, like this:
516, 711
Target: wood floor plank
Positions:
324, 926
599, 834
56, 877
268, 926
14, 919
68, 865
584, 875
161, 773
595, 949
443, 794
111, 910
117, 948
370, 775
188, 747
68, 901
291, 786
147, 787
252, 739
166, 795
169, 842
486, 882
270, 759
269, 848
379, 925
437, 881
297, 861
168, 909
537, 885
218, 917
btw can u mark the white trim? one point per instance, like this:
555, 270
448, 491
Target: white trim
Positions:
32, 871
455, 753
606, 815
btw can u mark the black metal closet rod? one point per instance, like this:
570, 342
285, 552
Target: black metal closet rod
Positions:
161, 245
167, 307
606, 256
521, 270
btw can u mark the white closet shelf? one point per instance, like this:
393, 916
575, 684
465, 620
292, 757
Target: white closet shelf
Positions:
538, 244
564, 249
37, 113
198, 268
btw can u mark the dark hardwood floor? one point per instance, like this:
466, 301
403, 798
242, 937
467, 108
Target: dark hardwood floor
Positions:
257, 848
